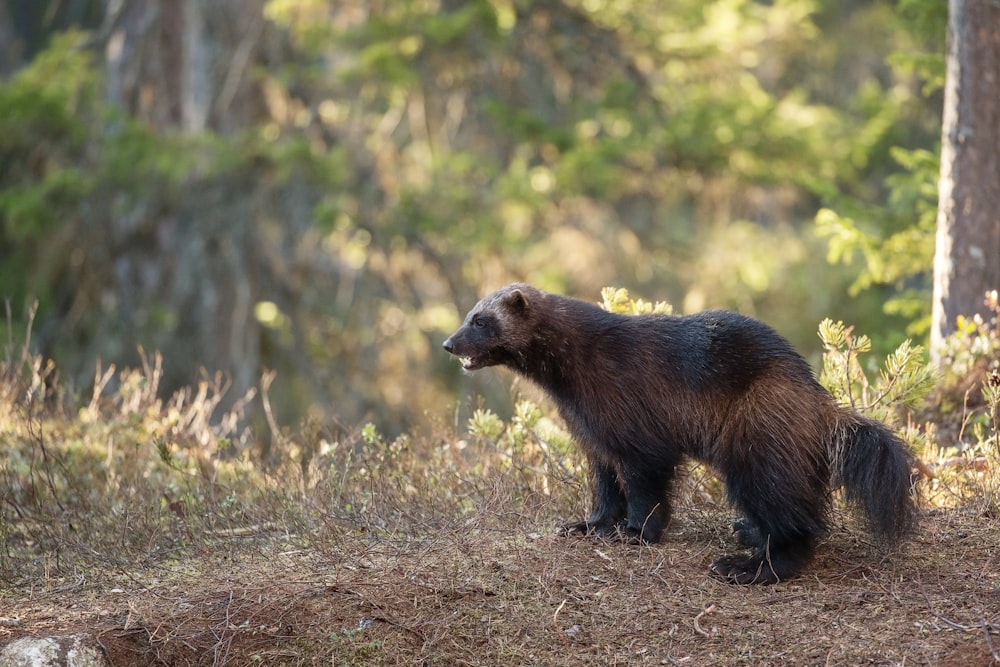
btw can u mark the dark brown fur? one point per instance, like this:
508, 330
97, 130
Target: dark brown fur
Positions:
641, 393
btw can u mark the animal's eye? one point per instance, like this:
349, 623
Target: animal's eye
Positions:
477, 321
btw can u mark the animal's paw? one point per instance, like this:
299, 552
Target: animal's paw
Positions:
628, 535
587, 528
580, 528
744, 570
615, 532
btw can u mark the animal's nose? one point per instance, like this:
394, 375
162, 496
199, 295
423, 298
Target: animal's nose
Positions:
448, 346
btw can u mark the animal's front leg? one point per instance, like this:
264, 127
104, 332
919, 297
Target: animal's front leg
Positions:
646, 493
609, 506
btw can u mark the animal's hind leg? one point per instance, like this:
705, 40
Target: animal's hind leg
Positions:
781, 540
784, 515
765, 565
748, 533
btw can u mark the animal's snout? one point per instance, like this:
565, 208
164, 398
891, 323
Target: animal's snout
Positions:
448, 346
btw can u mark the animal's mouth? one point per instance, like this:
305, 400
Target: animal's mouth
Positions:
470, 363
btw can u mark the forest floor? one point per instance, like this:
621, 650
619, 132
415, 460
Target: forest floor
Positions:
143, 525
493, 589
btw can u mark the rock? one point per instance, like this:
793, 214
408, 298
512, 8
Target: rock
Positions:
69, 651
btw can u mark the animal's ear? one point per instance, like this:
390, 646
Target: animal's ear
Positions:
517, 301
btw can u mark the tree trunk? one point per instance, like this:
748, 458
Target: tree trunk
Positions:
8, 44
967, 259
196, 76
186, 64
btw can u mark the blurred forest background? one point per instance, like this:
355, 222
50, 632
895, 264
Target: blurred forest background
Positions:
322, 189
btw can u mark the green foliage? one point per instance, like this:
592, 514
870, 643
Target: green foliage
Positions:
904, 379
486, 424
44, 112
925, 21
975, 344
532, 446
894, 243
891, 228
408, 155
68, 165
617, 300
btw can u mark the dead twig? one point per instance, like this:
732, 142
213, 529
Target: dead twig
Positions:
989, 641
984, 627
562, 635
710, 609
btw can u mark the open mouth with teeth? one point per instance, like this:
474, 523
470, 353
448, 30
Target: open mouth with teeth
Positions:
471, 363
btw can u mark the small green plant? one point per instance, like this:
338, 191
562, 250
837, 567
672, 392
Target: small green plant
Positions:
898, 387
975, 345
967, 411
382, 456
486, 424
359, 649
904, 379
617, 300
371, 436
531, 443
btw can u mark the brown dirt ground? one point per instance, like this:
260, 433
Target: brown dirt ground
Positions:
500, 589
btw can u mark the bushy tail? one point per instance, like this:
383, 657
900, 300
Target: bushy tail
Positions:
874, 467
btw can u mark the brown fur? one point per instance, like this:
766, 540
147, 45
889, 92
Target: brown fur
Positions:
639, 394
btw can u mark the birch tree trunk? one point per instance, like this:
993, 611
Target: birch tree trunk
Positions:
967, 257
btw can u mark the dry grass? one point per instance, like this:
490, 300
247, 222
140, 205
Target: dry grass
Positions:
133, 520
488, 590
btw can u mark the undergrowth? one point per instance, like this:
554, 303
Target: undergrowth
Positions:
948, 413
962, 414
125, 476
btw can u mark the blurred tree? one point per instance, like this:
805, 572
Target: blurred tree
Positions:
27, 27
319, 187
967, 260
8, 45
142, 230
187, 66
889, 222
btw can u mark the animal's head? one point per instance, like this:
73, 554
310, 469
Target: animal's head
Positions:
494, 331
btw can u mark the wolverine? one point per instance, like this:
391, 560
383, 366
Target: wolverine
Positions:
639, 394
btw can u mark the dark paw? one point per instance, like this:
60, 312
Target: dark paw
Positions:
590, 529
744, 570
747, 534
618, 532
629, 535
581, 528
